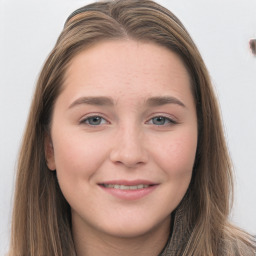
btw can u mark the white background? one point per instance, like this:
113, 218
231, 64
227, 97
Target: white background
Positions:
220, 28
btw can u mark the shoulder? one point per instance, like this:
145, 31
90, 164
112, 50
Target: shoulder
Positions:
240, 243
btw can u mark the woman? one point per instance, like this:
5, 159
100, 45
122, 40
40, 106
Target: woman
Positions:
124, 152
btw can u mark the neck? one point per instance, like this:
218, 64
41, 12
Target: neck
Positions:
92, 244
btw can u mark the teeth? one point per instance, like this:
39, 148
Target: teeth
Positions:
123, 187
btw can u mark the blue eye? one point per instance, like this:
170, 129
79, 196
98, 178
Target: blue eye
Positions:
161, 120
94, 120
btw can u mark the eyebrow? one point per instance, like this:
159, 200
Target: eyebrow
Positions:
106, 101
159, 101
97, 101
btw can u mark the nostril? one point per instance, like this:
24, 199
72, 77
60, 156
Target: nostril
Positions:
129, 160
129, 163
128, 150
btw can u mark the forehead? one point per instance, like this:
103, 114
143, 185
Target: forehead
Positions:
126, 68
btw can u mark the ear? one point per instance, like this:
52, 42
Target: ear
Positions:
49, 152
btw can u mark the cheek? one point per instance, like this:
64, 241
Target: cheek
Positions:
177, 161
176, 154
77, 160
77, 156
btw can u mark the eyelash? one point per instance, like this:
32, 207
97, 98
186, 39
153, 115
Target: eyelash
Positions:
87, 119
150, 121
166, 119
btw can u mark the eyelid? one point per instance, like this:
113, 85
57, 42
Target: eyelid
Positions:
169, 117
86, 117
172, 119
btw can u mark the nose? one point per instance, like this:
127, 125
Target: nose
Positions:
128, 148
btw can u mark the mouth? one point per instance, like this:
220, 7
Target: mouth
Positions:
128, 190
125, 187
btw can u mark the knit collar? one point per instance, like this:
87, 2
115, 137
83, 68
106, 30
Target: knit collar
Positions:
179, 234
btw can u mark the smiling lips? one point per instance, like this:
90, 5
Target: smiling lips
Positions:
128, 190
124, 187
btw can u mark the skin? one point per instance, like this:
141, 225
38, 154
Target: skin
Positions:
127, 142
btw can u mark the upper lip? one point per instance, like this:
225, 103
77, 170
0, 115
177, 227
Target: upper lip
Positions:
128, 182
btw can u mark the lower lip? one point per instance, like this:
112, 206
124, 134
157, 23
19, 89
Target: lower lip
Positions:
129, 194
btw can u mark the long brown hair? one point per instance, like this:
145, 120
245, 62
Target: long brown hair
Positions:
41, 217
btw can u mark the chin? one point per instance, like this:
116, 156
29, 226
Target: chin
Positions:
135, 228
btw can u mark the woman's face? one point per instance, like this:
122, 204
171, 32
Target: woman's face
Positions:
123, 137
